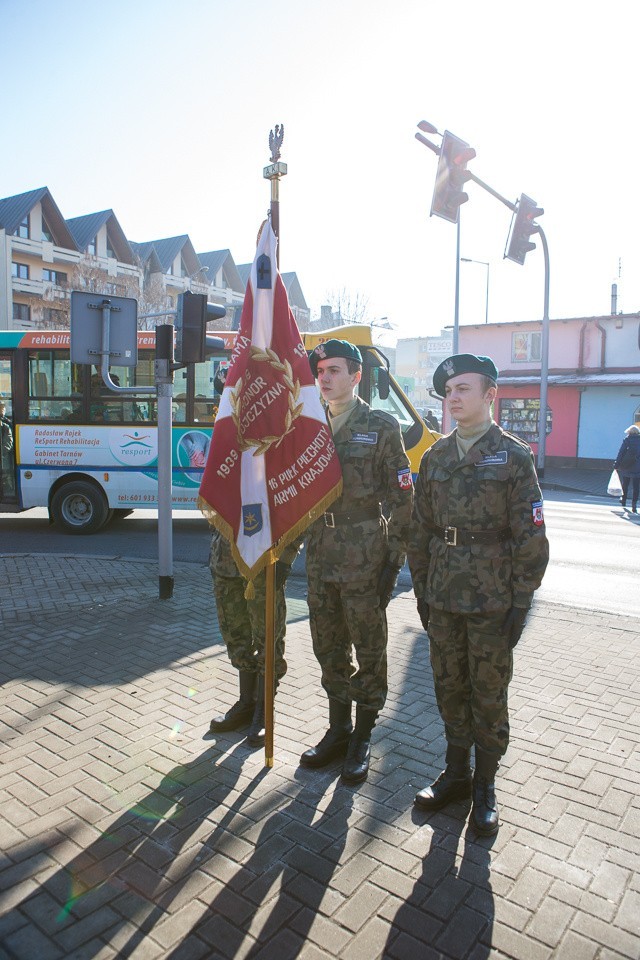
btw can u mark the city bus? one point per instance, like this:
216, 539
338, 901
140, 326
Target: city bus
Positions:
86, 453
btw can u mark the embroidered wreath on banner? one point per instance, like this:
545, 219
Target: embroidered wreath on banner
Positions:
294, 407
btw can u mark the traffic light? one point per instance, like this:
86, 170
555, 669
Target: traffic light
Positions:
191, 326
451, 176
522, 227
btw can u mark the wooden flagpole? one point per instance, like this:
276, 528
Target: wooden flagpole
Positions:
273, 172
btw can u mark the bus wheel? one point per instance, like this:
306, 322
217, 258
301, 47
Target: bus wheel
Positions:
79, 507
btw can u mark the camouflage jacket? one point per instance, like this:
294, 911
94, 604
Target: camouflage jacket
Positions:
221, 561
494, 487
375, 472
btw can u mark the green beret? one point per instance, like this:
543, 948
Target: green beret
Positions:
462, 363
333, 348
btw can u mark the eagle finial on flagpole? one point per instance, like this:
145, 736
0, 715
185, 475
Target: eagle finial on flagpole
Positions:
275, 142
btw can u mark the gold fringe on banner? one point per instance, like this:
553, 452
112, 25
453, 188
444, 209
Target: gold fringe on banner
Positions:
276, 551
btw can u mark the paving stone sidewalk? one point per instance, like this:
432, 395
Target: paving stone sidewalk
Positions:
129, 832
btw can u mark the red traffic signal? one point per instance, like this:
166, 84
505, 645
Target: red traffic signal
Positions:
522, 228
451, 176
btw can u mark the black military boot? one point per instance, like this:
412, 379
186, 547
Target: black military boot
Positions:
484, 812
356, 763
335, 741
255, 737
241, 712
454, 783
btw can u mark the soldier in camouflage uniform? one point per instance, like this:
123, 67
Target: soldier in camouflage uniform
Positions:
242, 623
353, 558
477, 552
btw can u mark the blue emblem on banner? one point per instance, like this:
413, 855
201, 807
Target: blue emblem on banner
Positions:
251, 519
263, 272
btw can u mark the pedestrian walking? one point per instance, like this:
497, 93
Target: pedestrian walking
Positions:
354, 555
627, 464
477, 552
243, 625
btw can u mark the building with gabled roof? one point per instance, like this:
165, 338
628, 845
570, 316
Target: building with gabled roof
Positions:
43, 257
100, 235
47, 257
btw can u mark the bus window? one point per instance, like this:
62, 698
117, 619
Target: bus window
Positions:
54, 385
109, 407
205, 397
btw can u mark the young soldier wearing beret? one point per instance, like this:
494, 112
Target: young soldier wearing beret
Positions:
353, 559
478, 551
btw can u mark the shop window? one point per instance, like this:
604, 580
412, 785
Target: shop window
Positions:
521, 417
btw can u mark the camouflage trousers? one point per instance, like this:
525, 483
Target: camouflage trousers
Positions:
242, 623
346, 617
472, 667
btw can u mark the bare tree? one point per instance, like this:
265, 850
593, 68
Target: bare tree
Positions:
348, 306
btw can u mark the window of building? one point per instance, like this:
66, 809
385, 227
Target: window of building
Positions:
92, 247
525, 347
54, 276
46, 232
521, 417
21, 312
183, 268
23, 229
110, 250
20, 270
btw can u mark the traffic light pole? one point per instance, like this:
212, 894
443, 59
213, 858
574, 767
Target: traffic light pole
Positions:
164, 385
544, 368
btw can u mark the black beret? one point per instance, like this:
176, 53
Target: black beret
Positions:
333, 348
462, 363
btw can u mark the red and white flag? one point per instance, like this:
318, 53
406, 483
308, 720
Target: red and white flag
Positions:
272, 467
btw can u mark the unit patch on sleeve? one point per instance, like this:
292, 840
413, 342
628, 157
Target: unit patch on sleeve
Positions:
536, 513
365, 437
405, 480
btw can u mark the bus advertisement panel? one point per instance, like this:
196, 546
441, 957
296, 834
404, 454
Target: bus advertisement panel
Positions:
122, 460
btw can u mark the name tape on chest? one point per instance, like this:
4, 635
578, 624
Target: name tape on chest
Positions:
405, 479
493, 459
537, 514
364, 437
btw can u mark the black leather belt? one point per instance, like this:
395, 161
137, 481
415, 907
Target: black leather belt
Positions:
455, 537
339, 519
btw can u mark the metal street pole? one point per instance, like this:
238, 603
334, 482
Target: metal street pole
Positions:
482, 263
544, 368
164, 385
456, 310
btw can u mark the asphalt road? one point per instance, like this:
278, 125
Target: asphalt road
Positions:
594, 547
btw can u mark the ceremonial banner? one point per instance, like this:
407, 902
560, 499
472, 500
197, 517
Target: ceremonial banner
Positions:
272, 466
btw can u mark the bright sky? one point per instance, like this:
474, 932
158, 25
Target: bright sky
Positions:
162, 111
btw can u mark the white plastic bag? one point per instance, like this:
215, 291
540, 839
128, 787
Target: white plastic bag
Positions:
614, 487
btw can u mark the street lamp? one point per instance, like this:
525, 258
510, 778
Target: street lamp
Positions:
482, 263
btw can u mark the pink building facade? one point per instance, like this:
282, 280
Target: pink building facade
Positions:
593, 382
